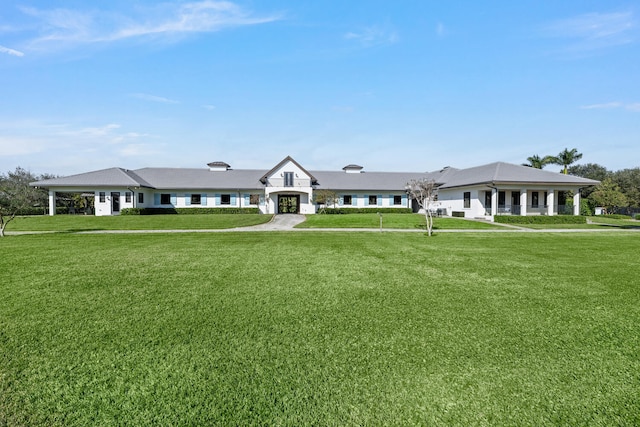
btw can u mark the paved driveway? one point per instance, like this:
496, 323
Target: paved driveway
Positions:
279, 222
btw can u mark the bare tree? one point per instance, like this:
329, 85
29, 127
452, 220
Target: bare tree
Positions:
424, 192
16, 195
325, 198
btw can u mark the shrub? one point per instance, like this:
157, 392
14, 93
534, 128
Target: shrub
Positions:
187, 211
540, 219
342, 211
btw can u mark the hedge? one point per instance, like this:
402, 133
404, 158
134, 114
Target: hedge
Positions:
187, 211
343, 211
540, 219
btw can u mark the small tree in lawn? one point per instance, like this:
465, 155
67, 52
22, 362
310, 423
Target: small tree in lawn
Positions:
326, 198
16, 195
424, 192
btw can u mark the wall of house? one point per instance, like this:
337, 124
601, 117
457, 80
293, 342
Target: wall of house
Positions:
453, 201
207, 199
370, 199
104, 199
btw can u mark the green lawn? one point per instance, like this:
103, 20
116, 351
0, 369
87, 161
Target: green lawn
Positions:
320, 329
390, 221
595, 223
134, 222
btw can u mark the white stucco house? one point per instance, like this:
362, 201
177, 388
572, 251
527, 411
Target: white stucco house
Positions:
478, 192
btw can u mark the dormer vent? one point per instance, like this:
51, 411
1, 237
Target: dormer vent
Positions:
352, 168
218, 166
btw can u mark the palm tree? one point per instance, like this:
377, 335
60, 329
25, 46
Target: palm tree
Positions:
566, 158
536, 162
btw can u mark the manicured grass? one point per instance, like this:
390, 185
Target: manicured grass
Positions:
594, 223
320, 329
134, 222
390, 221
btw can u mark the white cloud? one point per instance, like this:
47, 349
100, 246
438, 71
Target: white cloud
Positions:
10, 51
373, 36
209, 107
607, 105
635, 107
164, 20
16, 145
154, 98
594, 31
441, 31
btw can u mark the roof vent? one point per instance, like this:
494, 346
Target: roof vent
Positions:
352, 168
218, 166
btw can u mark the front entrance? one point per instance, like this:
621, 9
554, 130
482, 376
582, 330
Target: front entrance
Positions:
288, 204
115, 202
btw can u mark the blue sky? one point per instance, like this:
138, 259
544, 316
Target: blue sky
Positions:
390, 85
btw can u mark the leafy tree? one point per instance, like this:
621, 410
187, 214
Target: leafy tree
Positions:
325, 198
424, 192
538, 162
566, 157
16, 195
591, 171
629, 182
608, 195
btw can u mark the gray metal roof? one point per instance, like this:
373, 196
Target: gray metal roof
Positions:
505, 173
179, 178
232, 179
365, 181
112, 177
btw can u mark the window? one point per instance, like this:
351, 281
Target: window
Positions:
397, 200
534, 199
102, 197
196, 199
140, 197
254, 199
225, 199
467, 199
346, 200
288, 179
373, 200
127, 196
165, 199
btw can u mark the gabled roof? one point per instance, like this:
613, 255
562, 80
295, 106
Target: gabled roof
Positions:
279, 165
506, 173
112, 177
203, 179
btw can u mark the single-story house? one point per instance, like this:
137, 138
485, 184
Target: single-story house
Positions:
478, 192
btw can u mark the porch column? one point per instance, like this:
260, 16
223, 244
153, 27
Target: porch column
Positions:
523, 202
576, 202
52, 203
550, 201
494, 201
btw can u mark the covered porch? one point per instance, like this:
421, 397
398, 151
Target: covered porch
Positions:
530, 201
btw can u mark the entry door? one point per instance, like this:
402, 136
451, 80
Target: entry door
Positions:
515, 202
487, 202
115, 202
288, 204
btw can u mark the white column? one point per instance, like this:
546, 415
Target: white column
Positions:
576, 202
523, 202
494, 201
52, 202
550, 201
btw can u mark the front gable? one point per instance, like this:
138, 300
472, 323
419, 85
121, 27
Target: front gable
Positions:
286, 166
